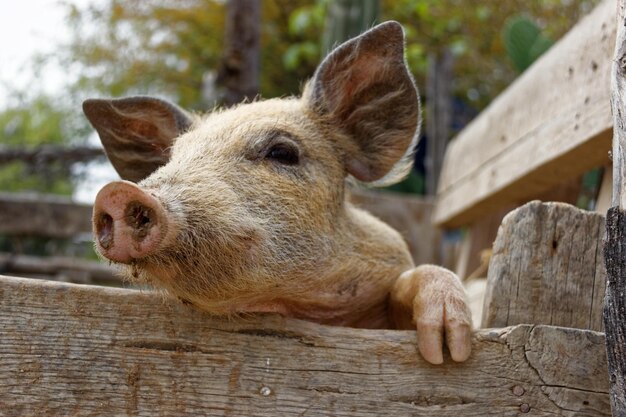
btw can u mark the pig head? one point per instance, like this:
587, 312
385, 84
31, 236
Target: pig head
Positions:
244, 210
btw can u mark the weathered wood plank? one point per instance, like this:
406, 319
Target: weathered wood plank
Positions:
551, 124
43, 215
59, 268
48, 154
79, 350
614, 314
615, 307
54, 216
547, 268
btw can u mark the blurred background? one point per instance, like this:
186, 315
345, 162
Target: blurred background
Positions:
207, 53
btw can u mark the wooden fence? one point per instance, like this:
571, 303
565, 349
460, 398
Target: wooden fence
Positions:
85, 350
70, 349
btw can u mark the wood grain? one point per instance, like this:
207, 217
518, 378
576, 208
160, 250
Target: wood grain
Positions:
615, 248
615, 308
547, 268
552, 124
59, 268
43, 215
79, 350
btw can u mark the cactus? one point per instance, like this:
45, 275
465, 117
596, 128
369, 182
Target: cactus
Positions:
524, 41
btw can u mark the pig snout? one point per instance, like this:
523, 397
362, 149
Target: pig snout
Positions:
128, 223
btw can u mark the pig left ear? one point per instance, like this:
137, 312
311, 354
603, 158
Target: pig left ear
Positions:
137, 132
364, 90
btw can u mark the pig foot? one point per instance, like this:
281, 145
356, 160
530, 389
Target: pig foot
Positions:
432, 300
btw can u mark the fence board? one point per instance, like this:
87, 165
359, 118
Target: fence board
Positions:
553, 123
79, 350
547, 268
43, 215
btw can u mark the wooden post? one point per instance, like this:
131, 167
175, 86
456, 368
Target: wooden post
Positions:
438, 115
615, 247
547, 268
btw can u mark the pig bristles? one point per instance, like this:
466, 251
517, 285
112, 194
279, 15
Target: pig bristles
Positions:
254, 213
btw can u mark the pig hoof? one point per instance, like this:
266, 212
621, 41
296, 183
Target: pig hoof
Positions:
440, 311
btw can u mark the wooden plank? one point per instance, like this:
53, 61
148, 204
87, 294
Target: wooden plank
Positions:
615, 307
59, 268
43, 215
54, 216
614, 314
547, 268
551, 124
409, 215
49, 154
79, 350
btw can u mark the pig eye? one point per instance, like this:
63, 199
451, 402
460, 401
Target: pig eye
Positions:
283, 153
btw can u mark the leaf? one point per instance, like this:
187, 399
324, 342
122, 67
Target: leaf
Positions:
300, 20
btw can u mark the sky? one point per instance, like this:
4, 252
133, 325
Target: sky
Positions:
28, 27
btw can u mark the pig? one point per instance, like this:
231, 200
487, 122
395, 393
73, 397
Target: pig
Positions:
245, 210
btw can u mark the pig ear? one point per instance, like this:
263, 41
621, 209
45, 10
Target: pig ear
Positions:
364, 90
137, 132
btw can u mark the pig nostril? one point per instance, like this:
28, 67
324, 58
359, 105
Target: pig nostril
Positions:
140, 218
105, 231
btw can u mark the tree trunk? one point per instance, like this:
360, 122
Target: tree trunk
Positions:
615, 247
438, 115
346, 19
239, 72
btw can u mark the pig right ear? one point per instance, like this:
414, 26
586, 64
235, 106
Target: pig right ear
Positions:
363, 89
137, 132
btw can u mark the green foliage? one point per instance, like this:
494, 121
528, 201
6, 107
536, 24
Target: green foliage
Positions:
305, 25
145, 47
166, 48
29, 123
413, 184
524, 41
590, 186
471, 29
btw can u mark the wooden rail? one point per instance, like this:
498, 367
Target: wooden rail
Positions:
58, 217
43, 215
59, 268
80, 350
615, 248
552, 124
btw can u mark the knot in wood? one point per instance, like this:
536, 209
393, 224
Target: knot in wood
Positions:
622, 63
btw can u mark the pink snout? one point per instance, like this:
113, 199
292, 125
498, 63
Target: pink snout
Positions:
128, 223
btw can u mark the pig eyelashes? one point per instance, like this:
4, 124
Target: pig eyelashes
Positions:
283, 153
278, 147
